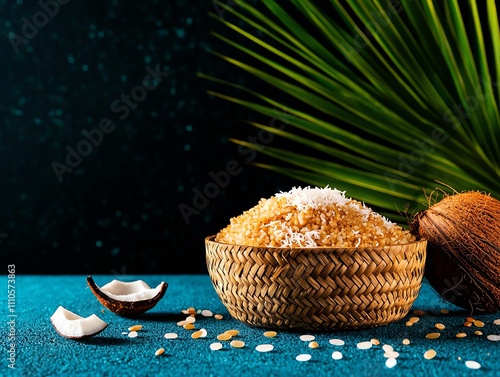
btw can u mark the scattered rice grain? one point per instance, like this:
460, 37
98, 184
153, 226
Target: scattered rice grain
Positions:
478, 333
270, 334
170, 335
387, 348
216, 346
439, 326
391, 355
303, 357
336, 342
391, 363
132, 334
313, 345
135, 328
471, 364
364, 345
478, 323
496, 321
307, 338
337, 355
232, 332
190, 319
224, 336
430, 354
197, 334
237, 344
406, 342
264, 348
461, 335
493, 338
218, 316
159, 351
189, 326
433, 335
206, 313
375, 342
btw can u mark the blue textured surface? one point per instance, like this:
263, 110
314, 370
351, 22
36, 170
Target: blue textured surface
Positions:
40, 351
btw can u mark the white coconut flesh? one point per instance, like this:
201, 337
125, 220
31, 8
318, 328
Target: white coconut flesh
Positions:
72, 325
130, 291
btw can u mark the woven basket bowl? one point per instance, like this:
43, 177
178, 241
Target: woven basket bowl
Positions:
316, 288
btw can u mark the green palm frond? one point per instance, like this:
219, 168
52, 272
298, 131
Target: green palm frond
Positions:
393, 97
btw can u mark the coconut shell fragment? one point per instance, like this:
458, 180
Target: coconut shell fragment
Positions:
463, 252
127, 299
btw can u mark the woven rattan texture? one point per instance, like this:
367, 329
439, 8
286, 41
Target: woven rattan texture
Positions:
319, 288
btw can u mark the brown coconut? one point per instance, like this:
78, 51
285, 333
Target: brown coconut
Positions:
463, 255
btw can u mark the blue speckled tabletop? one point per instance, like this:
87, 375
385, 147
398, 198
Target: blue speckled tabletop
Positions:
40, 351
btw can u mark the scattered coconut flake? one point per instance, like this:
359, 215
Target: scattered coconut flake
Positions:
132, 334
493, 338
206, 313
303, 357
336, 342
337, 355
170, 335
496, 321
237, 344
216, 346
159, 351
471, 364
391, 363
264, 348
307, 338
433, 335
313, 345
430, 354
406, 342
364, 345
270, 334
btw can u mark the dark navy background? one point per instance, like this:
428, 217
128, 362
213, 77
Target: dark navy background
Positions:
118, 210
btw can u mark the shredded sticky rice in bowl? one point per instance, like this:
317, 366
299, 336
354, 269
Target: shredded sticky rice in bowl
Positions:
312, 217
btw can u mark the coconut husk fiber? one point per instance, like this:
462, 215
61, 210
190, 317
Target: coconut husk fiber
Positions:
463, 253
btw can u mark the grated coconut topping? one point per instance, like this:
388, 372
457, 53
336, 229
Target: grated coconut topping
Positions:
312, 217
